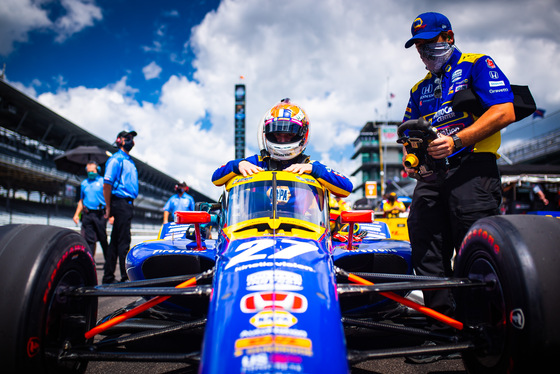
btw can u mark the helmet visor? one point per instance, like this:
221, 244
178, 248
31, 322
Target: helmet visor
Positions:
282, 132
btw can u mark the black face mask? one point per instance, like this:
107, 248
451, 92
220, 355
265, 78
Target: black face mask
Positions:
128, 144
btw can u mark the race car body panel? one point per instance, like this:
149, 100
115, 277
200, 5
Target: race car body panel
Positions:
274, 308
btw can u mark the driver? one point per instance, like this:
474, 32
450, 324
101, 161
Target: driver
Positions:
283, 134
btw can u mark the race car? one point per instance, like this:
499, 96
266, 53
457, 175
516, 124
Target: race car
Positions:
276, 292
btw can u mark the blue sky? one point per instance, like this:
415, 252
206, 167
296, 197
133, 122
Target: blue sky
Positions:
167, 68
120, 38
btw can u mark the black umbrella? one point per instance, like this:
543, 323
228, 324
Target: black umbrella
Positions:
75, 160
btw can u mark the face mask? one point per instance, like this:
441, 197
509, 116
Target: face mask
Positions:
91, 175
435, 55
128, 144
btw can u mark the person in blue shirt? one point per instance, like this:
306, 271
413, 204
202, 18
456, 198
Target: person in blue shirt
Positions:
283, 135
120, 188
181, 201
443, 210
92, 209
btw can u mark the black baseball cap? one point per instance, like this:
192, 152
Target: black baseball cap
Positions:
123, 134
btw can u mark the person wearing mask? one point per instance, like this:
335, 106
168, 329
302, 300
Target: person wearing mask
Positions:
283, 134
442, 211
92, 209
120, 188
393, 206
181, 201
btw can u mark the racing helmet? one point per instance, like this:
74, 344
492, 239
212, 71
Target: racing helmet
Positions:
284, 131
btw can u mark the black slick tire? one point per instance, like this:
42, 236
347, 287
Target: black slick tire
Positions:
516, 314
37, 321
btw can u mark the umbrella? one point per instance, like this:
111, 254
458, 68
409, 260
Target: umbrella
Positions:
75, 160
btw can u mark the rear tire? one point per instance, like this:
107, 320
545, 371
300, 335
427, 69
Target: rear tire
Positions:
520, 328
37, 321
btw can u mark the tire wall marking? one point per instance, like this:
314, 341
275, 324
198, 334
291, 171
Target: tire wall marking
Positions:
479, 233
33, 346
76, 248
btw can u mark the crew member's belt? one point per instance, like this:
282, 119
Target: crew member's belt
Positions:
96, 211
482, 156
128, 199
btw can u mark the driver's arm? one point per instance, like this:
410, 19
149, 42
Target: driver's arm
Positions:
246, 168
236, 167
334, 181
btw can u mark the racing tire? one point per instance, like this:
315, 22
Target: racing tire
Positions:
37, 321
518, 329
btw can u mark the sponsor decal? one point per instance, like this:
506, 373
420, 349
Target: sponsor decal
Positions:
428, 90
450, 130
274, 280
33, 346
456, 76
496, 83
262, 264
443, 114
499, 90
490, 63
174, 251
493, 74
356, 249
270, 318
287, 301
266, 362
460, 87
307, 180
517, 318
418, 24
273, 343
255, 362
283, 194
274, 330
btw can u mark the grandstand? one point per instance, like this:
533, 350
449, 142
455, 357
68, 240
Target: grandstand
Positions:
31, 136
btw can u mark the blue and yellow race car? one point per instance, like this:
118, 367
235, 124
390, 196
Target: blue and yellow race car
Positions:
275, 291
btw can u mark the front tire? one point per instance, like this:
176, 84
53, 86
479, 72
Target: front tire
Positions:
519, 256
37, 321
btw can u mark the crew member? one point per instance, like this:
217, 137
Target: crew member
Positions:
181, 201
393, 206
443, 211
92, 209
120, 189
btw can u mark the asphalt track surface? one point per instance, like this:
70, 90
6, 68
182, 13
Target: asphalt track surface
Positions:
386, 366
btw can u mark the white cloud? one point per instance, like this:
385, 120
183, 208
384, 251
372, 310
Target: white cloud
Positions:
79, 15
151, 71
338, 59
20, 17
17, 19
